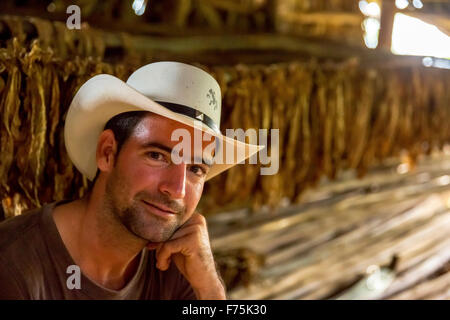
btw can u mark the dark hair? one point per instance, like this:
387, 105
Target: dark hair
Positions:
123, 125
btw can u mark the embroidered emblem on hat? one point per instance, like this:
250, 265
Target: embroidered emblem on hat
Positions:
212, 98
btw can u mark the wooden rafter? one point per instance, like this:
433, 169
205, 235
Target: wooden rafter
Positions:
324, 18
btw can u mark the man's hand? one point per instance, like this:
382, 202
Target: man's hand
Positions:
190, 250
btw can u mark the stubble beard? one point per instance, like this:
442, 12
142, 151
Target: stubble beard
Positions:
134, 216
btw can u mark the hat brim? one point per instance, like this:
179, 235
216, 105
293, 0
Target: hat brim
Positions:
104, 96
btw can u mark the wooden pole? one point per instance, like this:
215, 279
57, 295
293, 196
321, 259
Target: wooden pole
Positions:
388, 11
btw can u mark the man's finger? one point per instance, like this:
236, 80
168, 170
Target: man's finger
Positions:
196, 218
169, 248
182, 232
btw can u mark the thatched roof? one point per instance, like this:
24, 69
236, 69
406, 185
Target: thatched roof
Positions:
339, 20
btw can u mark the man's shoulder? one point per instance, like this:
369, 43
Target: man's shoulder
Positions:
19, 229
20, 239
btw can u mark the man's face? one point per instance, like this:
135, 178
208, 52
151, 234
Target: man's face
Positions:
144, 179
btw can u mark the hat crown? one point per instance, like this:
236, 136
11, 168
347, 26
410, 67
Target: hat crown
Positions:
179, 83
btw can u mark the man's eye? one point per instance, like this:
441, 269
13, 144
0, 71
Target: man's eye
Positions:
198, 170
156, 155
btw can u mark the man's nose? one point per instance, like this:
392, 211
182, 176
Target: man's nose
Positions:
174, 183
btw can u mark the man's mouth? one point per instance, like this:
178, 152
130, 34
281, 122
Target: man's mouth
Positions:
159, 207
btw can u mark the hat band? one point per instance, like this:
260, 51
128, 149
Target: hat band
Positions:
192, 113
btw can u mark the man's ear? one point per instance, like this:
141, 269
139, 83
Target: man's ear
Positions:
106, 150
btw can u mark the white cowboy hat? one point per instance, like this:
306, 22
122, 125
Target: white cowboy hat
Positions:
178, 91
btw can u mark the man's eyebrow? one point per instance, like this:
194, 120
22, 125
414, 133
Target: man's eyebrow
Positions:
156, 145
208, 162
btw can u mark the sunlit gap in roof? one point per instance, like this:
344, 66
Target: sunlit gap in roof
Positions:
412, 36
139, 6
371, 24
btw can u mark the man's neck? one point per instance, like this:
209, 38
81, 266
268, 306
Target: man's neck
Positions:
103, 249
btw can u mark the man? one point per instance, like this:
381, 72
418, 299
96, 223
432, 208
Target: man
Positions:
136, 234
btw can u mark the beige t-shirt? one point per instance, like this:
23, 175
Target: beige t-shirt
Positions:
34, 265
